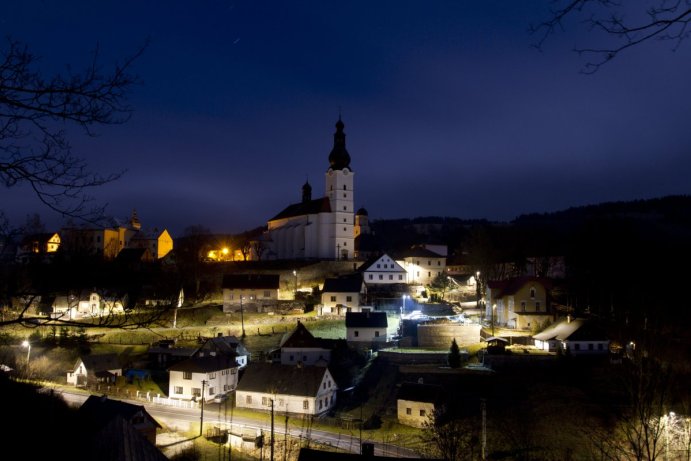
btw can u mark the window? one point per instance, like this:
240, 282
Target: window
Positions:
408, 411
344, 187
381, 277
212, 391
599, 347
305, 404
422, 412
429, 263
591, 347
344, 208
438, 263
344, 195
320, 404
376, 334
265, 401
186, 375
344, 229
356, 333
233, 371
324, 386
370, 276
537, 305
344, 219
390, 276
291, 358
267, 294
577, 347
281, 402
226, 388
212, 375
400, 277
378, 265
349, 299
333, 299
532, 293
429, 274
522, 305
196, 391
248, 400
178, 389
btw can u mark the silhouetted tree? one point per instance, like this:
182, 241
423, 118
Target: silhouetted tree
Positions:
34, 107
454, 356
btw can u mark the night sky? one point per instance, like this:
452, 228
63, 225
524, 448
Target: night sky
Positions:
449, 110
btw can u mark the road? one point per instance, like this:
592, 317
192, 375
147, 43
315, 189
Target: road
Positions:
183, 419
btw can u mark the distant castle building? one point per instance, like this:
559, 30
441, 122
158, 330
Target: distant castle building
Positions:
319, 228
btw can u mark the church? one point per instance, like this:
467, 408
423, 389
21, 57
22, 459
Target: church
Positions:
320, 228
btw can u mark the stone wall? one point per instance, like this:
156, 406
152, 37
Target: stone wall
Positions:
440, 336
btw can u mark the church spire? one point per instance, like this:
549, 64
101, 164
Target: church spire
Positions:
306, 192
339, 157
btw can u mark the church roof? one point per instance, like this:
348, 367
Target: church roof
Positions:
320, 205
339, 157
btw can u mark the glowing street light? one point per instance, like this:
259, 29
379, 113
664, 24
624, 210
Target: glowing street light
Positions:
27, 344
295, 293
403, 298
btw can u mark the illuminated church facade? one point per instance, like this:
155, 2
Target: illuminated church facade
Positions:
320, 228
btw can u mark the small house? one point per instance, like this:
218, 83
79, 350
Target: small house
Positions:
92, 369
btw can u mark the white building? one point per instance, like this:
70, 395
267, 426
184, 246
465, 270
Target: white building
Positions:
366, 327
383, 270
297, 389
202, 377
422, 265
319, 228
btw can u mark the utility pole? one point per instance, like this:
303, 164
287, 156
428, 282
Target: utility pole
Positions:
201, 418
484, 430
272, 431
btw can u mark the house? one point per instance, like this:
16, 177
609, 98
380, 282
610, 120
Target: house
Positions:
366, 327
578, 336
521, 302
98, 411
296, 389
342, 294
300, 346
383, 270
252, 292
202, 377
416, 402
422, 265
40, 245
164, 354
118, 440
227, 345
158, 242
91, 369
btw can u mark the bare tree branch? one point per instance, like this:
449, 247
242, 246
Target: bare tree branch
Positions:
34, 112
663, 20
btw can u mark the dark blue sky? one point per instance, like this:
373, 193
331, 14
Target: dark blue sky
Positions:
448, 109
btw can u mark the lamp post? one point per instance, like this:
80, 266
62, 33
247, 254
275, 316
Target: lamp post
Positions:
494, 310
201, 418
403, 304
295, 293
242, 316
477, 288
27, 344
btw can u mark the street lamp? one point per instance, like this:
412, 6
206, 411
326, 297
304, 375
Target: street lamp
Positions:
494, 310
477, 288
403, 298
295, 274
242, 316
27, 344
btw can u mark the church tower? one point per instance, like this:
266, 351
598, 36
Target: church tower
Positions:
339, 190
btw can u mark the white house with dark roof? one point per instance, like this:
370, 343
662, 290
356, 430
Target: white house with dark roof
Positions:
300, 346
383, 270
521, 302
91, 369
296, 389
366, 327
342, 294
421, 265
319, 228
250, 292
225, 345
416, 402
202, 377
573, 336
